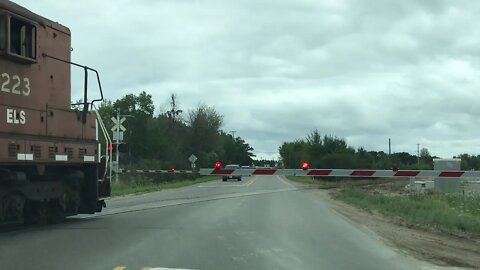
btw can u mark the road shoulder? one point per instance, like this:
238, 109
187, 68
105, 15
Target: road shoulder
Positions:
438, 248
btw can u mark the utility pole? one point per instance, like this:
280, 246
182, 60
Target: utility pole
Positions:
389, 146
233, 133
117, 154
418, 156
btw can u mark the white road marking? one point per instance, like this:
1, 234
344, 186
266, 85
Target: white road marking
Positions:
251, 182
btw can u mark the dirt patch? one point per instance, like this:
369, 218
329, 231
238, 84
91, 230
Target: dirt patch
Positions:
436, 247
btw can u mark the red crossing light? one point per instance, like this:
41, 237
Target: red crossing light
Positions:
305, 165
395, 167
110, 147
218, 165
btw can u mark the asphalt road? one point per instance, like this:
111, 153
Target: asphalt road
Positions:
263, 222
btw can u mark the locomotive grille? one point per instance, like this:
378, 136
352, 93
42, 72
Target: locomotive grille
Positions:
37, 151
51, 152
69, 152
12, 150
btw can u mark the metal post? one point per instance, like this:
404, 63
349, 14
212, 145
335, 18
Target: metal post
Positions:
418, 156
193, 170
117, 156
389, 147
412, 182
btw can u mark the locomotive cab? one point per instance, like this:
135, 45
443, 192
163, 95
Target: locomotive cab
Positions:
18, 37
49, 153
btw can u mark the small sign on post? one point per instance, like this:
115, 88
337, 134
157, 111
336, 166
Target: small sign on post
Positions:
192, 160
118, 136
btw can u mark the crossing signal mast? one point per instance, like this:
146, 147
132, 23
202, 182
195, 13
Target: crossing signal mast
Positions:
118, 129
121, 148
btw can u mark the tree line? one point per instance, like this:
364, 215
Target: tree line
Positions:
469, 162
166, 140
332, 152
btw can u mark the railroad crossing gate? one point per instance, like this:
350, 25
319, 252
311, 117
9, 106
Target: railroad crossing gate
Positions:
319, 172
306, 171
342, 173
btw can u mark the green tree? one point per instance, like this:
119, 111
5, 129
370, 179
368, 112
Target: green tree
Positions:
166, 141
293, 153
364, 159
205, 123
140, 109
426, 160
235, 150
174, 113
315, 149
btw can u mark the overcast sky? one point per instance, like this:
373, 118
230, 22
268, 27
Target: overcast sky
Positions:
362, 70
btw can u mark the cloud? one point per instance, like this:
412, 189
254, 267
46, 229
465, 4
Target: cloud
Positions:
363, 70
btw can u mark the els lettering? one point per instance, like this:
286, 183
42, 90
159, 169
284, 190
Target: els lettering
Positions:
16, 117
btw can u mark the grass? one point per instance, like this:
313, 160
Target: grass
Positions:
452, 213
336, 182
302, 179
139, 185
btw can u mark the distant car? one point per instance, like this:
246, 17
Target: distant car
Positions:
232, 176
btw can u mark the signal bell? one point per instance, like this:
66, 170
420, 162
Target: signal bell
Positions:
218, 165
305, 165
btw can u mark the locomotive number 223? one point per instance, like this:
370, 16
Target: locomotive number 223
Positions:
15, 85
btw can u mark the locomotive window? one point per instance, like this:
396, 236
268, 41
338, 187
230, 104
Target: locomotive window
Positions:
22, 38
3, 32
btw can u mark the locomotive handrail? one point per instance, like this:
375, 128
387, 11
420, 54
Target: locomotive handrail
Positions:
85, 68
109, 142
86, 106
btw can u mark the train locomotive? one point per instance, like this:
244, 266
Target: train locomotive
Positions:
51, 165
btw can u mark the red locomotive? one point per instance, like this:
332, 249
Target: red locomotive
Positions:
50, 160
